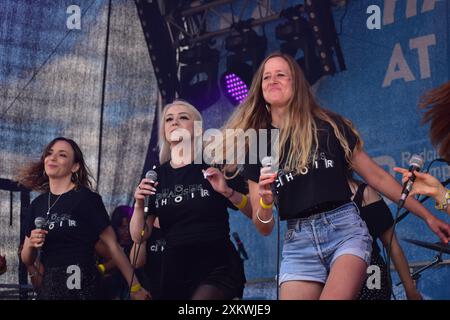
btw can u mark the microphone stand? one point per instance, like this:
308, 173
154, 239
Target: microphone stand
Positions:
416, 275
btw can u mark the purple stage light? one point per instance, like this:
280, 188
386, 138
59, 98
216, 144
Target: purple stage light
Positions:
235, 88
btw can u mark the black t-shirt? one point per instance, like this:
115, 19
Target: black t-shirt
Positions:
189, 210
376, 215
323, 181
74, 224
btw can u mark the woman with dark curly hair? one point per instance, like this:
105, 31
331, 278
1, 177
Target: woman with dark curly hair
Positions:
73, 218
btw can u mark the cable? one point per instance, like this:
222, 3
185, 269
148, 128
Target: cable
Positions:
136, 255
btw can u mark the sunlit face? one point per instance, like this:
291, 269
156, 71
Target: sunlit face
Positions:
277, 82
59, 161
178, 117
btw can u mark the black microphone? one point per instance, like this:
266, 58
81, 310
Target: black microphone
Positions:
240, 246
415, 164
39, 223
151, 175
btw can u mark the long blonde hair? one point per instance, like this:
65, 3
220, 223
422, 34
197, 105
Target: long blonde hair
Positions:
303, 110
164, 145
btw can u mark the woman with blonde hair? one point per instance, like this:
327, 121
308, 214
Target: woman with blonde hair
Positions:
190, 200
327, 246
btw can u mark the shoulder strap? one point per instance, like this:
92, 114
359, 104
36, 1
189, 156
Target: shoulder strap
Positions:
358, 198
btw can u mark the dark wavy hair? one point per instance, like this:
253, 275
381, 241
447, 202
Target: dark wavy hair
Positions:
33, 175
437, 105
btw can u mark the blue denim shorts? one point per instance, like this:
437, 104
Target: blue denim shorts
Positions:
312, 244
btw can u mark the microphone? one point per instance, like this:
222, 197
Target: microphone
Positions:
269, 162
151, 175
415, 164
39, 222
240, 246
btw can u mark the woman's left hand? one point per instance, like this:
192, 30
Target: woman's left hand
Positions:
217, 180
440, 228
413, 294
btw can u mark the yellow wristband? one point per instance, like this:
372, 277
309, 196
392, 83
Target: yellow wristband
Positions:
243, 202
101, 268
445, 202
263, 205
136, 287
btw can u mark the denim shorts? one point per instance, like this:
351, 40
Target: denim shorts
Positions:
312, 244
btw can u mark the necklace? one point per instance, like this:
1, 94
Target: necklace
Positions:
50, 207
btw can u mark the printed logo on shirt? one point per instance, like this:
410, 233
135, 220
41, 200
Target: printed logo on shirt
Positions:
56, 220
158, 246
180, 194
318, 162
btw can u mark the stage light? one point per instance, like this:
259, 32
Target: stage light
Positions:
198, 75
247, 51
234, 88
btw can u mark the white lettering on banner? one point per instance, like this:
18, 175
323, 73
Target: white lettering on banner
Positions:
74, 20
428, 5
422, 44
410, 11
398, 67
411, 8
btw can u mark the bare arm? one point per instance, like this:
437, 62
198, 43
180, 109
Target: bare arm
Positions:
141, 257
137, 230
425, 184
384, 183
120, 259
219, 184
401, 264
31, 244
257, 211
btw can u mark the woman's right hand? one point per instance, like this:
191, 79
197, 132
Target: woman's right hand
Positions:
266, 178
147, 187
424, 184
37, 238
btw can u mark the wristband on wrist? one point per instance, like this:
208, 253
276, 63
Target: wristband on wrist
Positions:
263, 205
243, 202
136, 287
445, 202
101, 267
263, 221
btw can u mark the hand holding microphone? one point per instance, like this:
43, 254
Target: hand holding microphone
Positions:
37, 236
415, 164
266, 179
145, 189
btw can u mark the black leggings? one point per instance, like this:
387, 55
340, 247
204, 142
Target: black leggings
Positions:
209, 271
